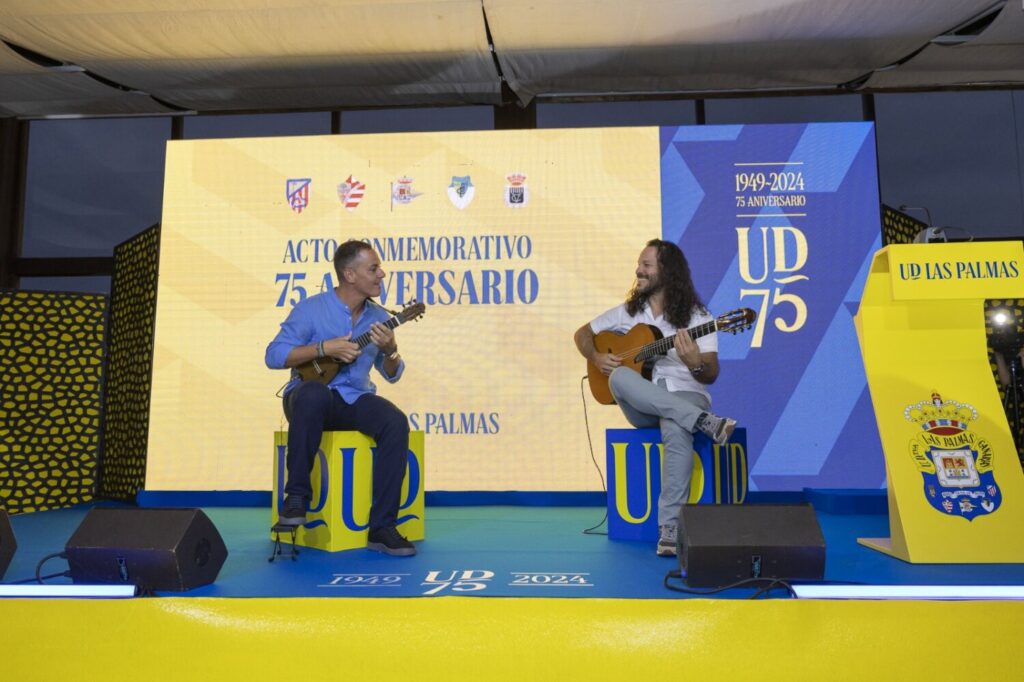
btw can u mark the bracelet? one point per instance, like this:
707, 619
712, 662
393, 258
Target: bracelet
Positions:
320, 350
699, 369
394, 356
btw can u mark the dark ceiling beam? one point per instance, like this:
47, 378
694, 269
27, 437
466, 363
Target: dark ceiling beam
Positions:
512, 116
13, 155
63, 267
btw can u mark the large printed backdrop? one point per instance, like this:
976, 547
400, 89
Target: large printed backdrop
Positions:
513, 240
492, 374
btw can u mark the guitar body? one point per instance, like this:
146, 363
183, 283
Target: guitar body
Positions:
625, 346
644, 344
323, 370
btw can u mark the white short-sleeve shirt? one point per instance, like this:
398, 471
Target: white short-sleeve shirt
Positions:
669, 370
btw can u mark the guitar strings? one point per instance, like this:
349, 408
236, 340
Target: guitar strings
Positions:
665, 340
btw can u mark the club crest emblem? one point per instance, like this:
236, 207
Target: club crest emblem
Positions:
297, 191
461, 191
516, 191
402, 192
955, 462
351, 193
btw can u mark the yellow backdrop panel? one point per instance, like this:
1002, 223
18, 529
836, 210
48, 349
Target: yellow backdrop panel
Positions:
508, 270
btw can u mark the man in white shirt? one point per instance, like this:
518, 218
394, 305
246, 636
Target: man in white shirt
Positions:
676, 398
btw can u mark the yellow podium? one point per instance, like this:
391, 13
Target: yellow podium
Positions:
342, 482
956, 493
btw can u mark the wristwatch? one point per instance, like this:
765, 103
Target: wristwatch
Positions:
697, 370
394, 356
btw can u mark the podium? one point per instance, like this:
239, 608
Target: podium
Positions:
956, 493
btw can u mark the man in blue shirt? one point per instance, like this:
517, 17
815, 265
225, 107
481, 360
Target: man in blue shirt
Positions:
324, 326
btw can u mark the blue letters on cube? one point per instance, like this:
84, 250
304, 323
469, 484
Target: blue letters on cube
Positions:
634, 478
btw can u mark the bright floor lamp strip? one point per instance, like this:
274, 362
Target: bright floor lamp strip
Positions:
909, 591
68, 591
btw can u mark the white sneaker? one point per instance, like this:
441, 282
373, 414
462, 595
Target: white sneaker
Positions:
718, 429
666, 540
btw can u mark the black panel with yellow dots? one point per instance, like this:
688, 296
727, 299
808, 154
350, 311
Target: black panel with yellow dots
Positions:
51, 374
130, 365
899, 228
1005, 337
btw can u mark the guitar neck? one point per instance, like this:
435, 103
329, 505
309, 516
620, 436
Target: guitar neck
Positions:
363, 339
664, 345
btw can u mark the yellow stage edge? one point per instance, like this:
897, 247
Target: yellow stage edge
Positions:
457, 638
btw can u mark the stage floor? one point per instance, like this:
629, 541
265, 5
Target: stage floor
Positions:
588, 609
492, 551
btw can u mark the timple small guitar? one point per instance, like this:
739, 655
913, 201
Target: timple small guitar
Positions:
644, 344
325, 369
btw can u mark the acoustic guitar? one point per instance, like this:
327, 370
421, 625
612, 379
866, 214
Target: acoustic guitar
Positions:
325, 369
644, 344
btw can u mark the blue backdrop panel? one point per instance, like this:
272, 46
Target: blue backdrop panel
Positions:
784, 219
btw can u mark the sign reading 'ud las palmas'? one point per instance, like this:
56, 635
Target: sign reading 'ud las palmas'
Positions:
978, 270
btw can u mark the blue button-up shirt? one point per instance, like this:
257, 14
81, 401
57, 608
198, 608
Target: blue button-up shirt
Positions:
322, 317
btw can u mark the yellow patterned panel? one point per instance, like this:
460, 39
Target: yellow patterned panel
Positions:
51, 374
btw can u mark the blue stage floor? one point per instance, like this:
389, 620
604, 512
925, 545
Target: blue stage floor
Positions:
491, 551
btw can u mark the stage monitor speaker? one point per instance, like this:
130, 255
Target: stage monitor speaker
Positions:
7, 543
723, 544
156, 549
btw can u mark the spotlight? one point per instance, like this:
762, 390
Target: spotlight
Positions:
1005, 336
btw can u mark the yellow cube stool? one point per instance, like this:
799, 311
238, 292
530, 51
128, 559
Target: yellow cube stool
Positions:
342, 481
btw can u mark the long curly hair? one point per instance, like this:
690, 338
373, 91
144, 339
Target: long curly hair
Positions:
681, 297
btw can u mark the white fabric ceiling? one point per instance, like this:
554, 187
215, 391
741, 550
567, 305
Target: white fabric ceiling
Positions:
99, 57
996, 56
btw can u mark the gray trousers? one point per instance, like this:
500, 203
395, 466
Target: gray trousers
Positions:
646, 405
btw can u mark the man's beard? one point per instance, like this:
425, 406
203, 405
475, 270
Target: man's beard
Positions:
648, 286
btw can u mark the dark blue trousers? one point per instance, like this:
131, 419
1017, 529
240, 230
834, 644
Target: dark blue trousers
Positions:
312, 408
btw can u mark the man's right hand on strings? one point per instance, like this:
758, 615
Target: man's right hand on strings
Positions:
341, 348
606, 362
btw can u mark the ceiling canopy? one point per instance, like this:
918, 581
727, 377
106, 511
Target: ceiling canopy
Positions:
103, 57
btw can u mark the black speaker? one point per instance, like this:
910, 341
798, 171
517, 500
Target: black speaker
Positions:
7, 543
156, 549
723, 544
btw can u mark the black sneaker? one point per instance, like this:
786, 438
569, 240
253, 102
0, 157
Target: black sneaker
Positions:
293, 511
389, 541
